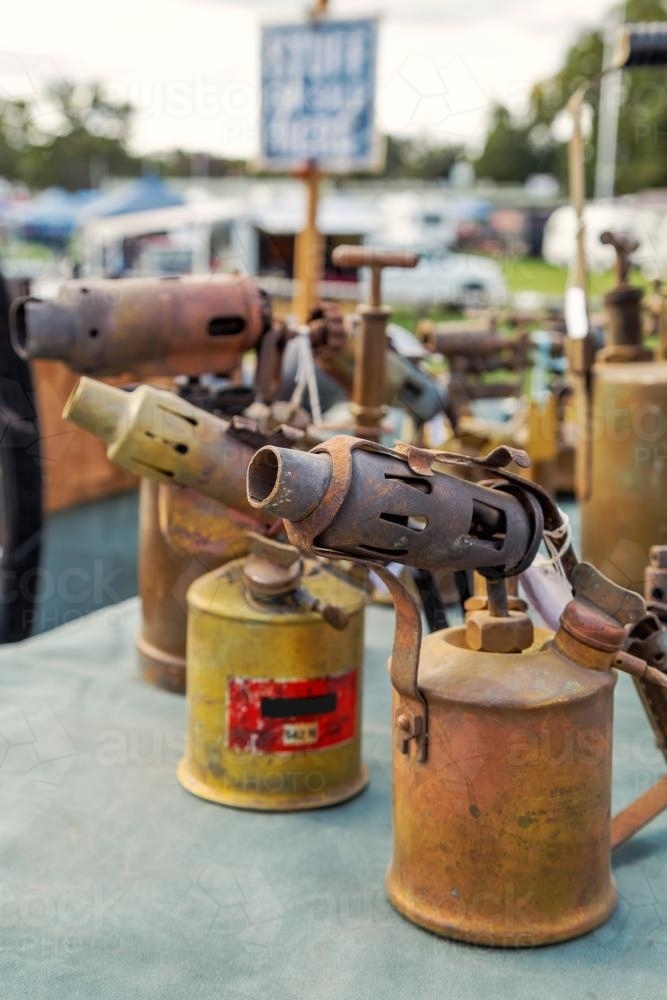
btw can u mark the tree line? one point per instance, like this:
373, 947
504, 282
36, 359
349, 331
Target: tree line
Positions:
76, 134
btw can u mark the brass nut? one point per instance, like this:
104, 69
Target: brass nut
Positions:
512, 634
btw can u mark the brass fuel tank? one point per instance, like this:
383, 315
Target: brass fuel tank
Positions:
182, 535
622, 454
623, 511
502, 836
503, 738
274, 689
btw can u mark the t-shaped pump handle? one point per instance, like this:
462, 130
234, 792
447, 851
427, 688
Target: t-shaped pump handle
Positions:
624, 246
369, 355
377, 260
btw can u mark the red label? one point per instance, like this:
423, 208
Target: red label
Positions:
290, 716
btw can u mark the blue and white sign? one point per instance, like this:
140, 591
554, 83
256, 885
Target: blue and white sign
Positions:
318, 96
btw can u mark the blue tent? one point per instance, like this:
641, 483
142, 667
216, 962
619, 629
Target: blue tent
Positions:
52, 216
139, 195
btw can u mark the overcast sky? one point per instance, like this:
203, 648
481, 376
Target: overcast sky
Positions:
191, 66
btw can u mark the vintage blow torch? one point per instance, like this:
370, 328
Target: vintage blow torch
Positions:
178, 328
185, 325
269, 683
503, 733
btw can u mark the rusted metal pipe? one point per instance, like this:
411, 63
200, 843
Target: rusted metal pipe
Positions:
147, 326
289, 483
351, 497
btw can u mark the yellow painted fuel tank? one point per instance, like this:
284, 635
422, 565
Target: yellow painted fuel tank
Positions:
274, 692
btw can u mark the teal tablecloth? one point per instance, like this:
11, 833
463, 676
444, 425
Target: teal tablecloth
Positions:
117, 883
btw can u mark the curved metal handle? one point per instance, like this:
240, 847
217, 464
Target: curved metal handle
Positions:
411, 717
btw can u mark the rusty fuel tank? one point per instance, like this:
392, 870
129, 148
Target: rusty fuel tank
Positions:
502, 836
182, 535
275, 653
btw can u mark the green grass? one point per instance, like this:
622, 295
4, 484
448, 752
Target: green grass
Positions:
410, 317
526, 274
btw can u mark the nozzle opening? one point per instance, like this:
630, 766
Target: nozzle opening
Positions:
18, 329
263, 476
288, 483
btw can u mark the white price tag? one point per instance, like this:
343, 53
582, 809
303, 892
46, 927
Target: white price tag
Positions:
576, 313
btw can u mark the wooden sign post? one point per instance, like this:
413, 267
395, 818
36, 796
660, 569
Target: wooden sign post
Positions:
308, 248
317, 117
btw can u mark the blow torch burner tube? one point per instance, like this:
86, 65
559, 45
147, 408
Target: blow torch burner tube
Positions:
39, 329
289, 484
160, 435
97, 407
352, 499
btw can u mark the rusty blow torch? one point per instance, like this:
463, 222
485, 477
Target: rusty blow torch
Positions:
358, 500
185, 325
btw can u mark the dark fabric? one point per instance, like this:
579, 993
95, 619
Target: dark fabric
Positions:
20, 487
117, 884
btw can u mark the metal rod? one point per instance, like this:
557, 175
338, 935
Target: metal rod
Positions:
496, 592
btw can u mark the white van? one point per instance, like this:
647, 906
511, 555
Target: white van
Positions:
228, 234
623, 217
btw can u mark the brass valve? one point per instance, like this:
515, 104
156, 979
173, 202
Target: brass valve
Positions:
376, 259
624, 246
274, 571
498, 623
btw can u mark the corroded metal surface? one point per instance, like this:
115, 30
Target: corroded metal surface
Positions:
194, 515
621, 399
369, 375
502, 759
184, 325
358, 499
431, 519
158, 434
502, 835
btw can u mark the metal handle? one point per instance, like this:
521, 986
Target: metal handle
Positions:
375, 258
411, 717
353, 256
